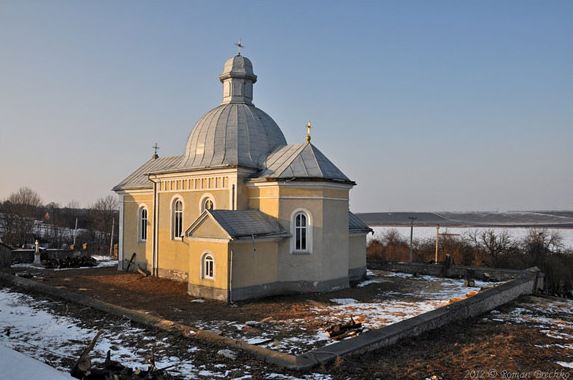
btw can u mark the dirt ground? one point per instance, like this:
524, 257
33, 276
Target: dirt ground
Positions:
482, 348
169, 299
466, 350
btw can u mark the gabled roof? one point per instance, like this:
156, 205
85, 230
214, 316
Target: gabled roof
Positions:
301, 161
138, 179
242, 224
355, 224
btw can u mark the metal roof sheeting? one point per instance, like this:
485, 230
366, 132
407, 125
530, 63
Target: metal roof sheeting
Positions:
301, 161
138, 179
246, 223
355, 224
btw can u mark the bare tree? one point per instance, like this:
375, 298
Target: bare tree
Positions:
495, 244
27, 199
102, 213
19, 212
540, 242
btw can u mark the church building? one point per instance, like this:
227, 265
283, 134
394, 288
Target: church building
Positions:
242, 214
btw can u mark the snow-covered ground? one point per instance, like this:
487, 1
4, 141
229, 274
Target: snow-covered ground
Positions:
422, 233
39, 329
553, 317
295, 336
17, 366
433, 293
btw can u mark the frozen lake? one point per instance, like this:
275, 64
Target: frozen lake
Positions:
516, 233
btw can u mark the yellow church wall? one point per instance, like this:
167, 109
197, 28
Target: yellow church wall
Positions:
173, 253
357, 251
265, 199
335, 238
327, 205
208, 228
309, 266
131, 242
252, 268
289, 191
198, 286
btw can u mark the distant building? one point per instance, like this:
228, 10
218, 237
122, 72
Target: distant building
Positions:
242, 214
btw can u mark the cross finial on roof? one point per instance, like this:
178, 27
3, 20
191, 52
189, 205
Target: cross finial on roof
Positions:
155, 149
239, 46
308, 127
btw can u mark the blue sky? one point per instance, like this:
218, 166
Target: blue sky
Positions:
427, 105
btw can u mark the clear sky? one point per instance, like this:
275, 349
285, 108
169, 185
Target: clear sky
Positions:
427, 105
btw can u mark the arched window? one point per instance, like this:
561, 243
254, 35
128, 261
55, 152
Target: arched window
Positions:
301, 232
177, 224
142, 224
208, 267
207, 203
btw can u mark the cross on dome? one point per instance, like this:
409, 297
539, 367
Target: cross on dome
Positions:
239, 46
155, 149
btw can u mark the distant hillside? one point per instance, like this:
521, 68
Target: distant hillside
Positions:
561, 219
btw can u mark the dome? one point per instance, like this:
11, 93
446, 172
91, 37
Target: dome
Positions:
233, 134
236, 133
238, 66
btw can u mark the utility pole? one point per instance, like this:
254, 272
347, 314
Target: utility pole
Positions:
412, 218
437, 240
75, 232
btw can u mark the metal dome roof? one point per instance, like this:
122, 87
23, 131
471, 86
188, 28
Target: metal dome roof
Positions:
236, 133
237, 67
232, 134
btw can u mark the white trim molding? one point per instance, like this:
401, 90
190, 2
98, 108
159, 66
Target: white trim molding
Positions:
120, 242
203, 266
308, 227
142, 206
175, 198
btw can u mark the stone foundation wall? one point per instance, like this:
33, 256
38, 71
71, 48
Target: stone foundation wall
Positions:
171, 274
266, 290
495, 274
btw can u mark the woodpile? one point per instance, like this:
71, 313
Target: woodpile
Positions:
70, 262
113, 370
341, 331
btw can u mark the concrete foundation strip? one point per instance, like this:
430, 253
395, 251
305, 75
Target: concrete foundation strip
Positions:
485, 301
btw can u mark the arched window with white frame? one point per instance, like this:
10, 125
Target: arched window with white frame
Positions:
208, 265
143, 217
177, 222
301, 230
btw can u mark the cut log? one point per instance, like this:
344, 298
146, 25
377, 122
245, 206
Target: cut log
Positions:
84, 364
142, 271
130, 262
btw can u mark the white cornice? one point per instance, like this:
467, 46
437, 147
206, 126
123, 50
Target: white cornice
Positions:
299, 184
